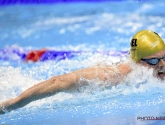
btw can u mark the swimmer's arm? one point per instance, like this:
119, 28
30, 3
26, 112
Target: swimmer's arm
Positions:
62, 82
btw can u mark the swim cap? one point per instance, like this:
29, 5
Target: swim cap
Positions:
145, 43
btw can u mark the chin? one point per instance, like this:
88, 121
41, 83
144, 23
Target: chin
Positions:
161, 76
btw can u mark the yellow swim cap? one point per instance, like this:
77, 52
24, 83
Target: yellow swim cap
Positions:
145, 43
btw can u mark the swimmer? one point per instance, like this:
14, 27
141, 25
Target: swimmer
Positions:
147, 49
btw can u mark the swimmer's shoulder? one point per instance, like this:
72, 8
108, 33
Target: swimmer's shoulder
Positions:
124, 68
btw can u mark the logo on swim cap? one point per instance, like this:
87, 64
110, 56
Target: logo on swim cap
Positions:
145, 43
133, 42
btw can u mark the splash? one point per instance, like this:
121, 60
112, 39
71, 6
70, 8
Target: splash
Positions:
16, 80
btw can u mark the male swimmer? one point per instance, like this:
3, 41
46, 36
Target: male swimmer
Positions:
147, 49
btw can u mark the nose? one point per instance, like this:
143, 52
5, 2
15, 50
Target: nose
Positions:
161, 64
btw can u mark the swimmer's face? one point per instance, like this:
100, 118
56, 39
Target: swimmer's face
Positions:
159, 68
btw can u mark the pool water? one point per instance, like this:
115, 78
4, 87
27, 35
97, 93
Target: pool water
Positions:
87, 27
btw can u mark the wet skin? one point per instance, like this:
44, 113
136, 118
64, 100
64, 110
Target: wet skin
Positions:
159, 69
66, 81
63, 82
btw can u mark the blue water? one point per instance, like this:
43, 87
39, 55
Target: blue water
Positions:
80, 27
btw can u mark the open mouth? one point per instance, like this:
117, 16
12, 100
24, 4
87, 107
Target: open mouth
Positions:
161, 73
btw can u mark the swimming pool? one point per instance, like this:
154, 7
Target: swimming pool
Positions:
103, 26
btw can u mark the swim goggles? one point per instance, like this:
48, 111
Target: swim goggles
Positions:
153, 61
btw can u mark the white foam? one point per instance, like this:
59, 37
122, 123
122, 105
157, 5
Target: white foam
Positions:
15, 80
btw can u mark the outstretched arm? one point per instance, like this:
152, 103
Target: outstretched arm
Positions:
63, 82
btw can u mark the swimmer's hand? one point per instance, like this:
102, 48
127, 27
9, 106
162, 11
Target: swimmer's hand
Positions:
7, 106
1, 111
